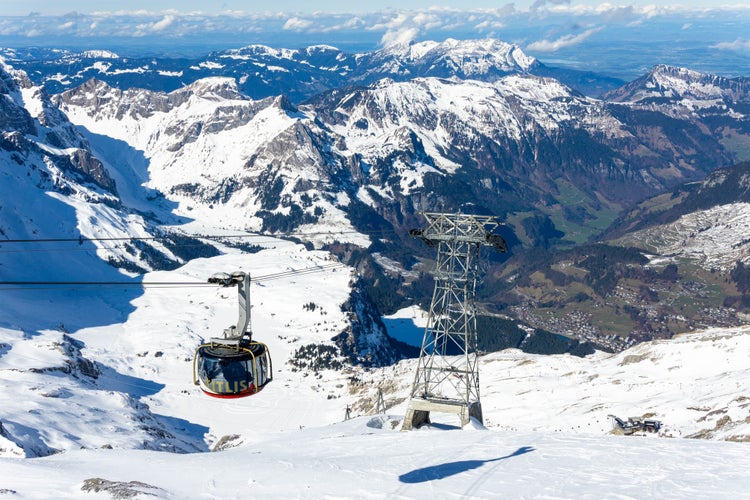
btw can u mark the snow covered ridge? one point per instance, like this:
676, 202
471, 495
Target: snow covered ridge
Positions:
672, 89
264, 71
695, 384
712, 238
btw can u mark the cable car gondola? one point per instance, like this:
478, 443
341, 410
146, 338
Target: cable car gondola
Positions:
234, 366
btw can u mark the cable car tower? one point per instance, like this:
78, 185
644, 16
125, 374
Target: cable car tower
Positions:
447, 375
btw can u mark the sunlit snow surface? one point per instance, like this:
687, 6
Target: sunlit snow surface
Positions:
357, 459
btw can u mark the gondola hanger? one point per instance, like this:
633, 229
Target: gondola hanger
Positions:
235, 365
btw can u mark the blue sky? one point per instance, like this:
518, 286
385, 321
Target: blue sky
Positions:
20, 8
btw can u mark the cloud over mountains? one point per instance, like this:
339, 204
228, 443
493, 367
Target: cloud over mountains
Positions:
573, 34
478, 22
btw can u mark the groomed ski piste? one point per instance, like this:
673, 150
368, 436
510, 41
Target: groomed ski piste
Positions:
139, 427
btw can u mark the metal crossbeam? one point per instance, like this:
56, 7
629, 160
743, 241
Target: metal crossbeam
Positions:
447, 375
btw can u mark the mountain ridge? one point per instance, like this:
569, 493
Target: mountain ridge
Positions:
353, 166
264, 71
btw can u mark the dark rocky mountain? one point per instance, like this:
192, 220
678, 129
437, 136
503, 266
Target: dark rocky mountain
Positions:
520, 144
722, 187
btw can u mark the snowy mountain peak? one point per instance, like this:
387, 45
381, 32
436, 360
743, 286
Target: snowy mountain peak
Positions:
483, 53
666, 84
666, 70
465, 58
283, 103
99, 54
321, 48
258, 50
214, 88
685, 82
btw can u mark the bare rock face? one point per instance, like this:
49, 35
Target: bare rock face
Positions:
50, 136
365, 341
121, 489
85, 163
13, 117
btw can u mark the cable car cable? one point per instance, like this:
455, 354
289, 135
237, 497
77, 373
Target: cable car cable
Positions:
171, 236
161, 284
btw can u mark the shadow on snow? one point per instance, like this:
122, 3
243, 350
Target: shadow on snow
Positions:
442, 471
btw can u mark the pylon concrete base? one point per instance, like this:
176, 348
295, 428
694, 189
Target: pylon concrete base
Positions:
418, 411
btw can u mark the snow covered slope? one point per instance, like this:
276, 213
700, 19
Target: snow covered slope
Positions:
365, 458
55, 186
697, 384
114, 367
692, 90
221, 156
547, 434
709, 238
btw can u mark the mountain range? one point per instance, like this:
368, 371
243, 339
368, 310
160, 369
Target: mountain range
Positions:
263, 71
456, 126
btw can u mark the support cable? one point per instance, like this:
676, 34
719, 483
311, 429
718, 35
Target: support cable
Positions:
160, 284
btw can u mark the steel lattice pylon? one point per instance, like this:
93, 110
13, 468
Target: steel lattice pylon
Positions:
447, 375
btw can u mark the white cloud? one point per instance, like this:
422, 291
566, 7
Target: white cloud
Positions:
347, 25
394, 26
399, 37
538, 4
489, 25
562, 42
390, 23
297, 24
355, 22
154, 27
163, 24
737, 45
405, 27
427, 20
